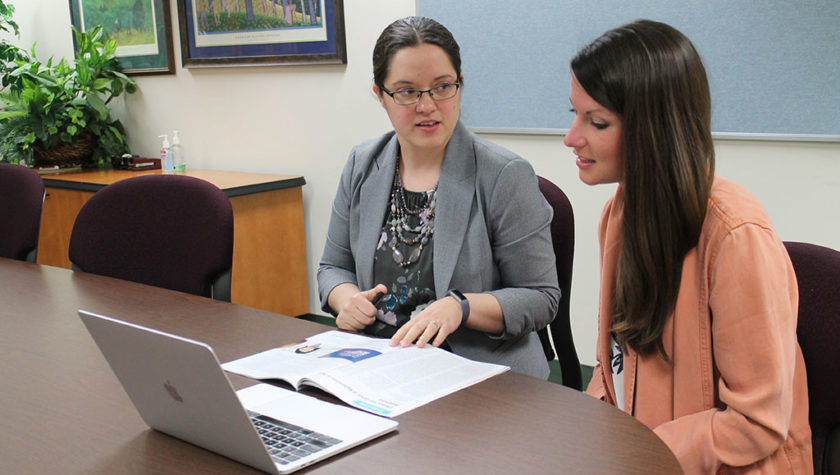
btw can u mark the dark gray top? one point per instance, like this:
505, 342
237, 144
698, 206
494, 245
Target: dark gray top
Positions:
410, 288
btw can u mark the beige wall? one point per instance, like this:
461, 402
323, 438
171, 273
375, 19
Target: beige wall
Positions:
304, 120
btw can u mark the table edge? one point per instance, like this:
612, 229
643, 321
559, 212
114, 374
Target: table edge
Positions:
231, 192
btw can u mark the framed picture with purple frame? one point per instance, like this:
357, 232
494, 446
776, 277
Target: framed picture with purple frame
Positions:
223, 33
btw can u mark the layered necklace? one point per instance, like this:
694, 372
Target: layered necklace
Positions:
424, 215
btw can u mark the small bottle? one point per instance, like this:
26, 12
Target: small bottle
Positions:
178, 153
166, 155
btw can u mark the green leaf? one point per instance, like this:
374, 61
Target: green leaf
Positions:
117, 133
118, 89
12, 113
102, 84
99, 106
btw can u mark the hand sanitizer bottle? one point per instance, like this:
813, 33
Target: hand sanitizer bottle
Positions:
166, 155
178, 153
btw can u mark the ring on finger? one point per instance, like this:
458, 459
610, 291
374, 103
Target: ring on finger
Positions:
434, 323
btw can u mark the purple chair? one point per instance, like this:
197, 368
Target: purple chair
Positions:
170, 231
818, 275
563, 239
21, 202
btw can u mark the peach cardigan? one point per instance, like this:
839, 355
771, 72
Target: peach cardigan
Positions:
735, 398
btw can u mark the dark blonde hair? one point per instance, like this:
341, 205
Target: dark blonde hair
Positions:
651, 75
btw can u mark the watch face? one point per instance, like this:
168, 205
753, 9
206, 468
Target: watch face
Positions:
457, 294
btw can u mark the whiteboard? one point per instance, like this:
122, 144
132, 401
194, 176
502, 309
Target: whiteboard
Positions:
773, 66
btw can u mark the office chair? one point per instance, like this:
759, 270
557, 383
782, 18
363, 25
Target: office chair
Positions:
21, 202
818, 276
170, 231
563, 239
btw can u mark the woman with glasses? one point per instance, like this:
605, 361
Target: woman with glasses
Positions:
698, 305
437, 236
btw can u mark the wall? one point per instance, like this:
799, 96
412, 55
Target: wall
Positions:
766, 85
304, 120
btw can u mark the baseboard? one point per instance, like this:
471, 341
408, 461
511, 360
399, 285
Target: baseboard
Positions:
322, 319
555, 376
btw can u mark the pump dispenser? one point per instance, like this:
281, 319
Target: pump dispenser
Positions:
166, 155
177, 153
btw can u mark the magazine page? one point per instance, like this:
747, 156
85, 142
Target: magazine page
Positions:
399, 381
365, 372
317, 354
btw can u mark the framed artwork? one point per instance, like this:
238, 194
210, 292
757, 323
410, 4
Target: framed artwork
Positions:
219, 33
142, 29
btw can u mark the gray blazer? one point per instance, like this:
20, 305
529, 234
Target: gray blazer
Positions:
492, 234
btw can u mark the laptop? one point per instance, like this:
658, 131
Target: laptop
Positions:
179, 388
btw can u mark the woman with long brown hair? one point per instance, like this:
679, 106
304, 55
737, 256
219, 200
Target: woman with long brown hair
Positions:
698, 304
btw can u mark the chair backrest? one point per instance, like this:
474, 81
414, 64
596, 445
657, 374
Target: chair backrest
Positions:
170, 231
563, 239
818, 276
21, 202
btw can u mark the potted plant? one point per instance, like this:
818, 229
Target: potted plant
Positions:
9, 53
57, 114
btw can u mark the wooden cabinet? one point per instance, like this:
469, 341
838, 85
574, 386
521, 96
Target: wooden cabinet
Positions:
269, 247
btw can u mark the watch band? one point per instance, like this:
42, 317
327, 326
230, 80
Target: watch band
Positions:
465, 304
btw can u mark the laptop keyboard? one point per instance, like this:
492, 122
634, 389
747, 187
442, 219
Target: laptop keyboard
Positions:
288, 442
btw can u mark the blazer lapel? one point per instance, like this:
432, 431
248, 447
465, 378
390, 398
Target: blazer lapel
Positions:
610, 237
456, 191
374, 198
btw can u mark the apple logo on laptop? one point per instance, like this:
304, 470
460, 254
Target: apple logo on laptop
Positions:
173, 391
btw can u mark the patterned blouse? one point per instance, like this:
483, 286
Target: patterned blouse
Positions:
410, 288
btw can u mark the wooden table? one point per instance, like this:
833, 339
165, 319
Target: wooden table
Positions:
63, 410
269, 247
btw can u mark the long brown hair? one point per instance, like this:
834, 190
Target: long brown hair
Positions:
651, 75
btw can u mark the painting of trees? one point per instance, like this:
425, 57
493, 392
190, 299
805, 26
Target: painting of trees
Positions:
251, 15
129, 22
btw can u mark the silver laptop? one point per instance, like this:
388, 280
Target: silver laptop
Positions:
179, 388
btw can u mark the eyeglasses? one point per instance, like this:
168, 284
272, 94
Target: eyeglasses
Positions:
407, 97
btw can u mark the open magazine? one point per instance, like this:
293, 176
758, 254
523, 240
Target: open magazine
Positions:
367, 373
